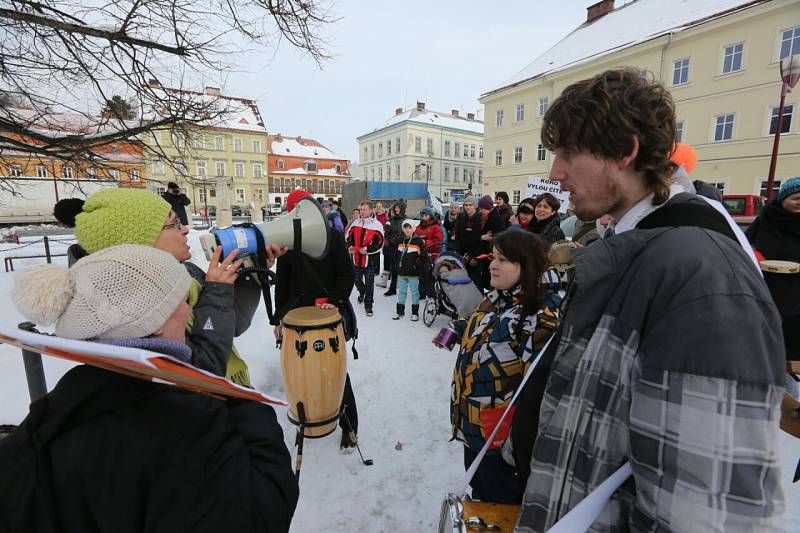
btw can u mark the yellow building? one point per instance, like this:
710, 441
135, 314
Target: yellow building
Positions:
720, 60
233, 150
419, 145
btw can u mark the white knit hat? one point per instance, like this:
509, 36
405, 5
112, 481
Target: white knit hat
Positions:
121, 292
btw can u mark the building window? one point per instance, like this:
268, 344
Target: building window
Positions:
466, 151
219, 143
202, 194
220, 169
389, 147
480, 175
680, 72
380, 173
518, 155
397, 145
786, 125
544, 103
179, 140
41, 171
429, 171
260, 195
499, 118
158, 168
418, 144
515, 197
237, 145
365, 153
338, 167
280, 163
520, 112
472, 151
256, 146
91, 173
388, 172
240, 195
455, 174
480, 152
310, 166
465, 174
732, 60
776, 185
679, 131
430, 146
790, 42
201, 169
447, 148
498, 158
135, 175
397, 171
238, 170
380, 150
417, 169
15, 171
723, 129
200, 141
720, 185
447, 174
372, 173
541, 153
457, 150
68, 172
115, 174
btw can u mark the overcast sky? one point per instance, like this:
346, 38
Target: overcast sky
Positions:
393, 53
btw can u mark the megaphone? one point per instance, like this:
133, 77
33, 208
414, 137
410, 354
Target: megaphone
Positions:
304, 229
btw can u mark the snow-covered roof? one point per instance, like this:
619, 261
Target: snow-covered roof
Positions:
625, 26
301, 147
303, 172
230, 112
433, 118
56, 124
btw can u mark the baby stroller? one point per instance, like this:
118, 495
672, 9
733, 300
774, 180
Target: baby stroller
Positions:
451, 291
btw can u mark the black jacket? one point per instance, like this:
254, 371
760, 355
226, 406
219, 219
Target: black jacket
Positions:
504, 213
409, 256
104, 452
450, 227
394, 230
295, 287
549, 229
469, 232
178, 203
776, 234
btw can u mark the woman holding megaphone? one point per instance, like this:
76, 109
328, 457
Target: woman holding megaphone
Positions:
223, 303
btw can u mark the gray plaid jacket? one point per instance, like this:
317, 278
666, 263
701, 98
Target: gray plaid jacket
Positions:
671, 356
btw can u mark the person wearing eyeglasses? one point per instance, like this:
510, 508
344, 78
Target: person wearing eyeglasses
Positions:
223, 303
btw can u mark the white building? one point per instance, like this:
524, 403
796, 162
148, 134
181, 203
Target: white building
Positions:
443, 149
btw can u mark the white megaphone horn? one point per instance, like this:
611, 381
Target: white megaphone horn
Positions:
303, 229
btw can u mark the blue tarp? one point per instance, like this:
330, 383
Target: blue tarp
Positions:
386, 189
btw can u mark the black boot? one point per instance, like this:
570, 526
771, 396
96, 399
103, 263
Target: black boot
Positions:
401, 311
414, 312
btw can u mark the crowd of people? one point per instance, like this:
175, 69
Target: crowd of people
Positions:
665, 349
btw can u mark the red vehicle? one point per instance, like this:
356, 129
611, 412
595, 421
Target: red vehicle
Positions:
744, 208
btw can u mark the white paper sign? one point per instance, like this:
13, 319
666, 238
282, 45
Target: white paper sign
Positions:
537, 186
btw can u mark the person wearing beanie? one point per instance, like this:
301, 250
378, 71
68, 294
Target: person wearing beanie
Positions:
105, 451
326, 283
474, 235
178, 201
430, 231
502, 207
409, 256
334, 220
114, 216
775, 235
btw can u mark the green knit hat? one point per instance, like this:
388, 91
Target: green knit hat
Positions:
120, 216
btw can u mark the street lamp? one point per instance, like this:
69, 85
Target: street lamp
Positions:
790, 75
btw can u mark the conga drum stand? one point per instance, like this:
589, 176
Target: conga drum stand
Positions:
302, 424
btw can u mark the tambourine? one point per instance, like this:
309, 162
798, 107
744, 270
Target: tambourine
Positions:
780, 267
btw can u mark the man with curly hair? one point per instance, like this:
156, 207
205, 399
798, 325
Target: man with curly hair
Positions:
670, 356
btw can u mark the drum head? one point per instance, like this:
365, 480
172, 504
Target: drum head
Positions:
780, 267
311, 316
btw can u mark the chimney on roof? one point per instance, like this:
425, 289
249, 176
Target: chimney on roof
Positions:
420, 106
471, 116
601, 8
398, 111
212, 91
454, 112
299, 140
153, 84
279, 138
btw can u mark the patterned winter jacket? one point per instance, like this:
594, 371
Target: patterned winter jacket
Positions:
495, 352
670, 357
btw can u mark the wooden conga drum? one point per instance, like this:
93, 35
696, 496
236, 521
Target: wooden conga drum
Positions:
314, 367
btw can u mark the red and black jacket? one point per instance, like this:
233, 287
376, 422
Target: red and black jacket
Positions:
366, 233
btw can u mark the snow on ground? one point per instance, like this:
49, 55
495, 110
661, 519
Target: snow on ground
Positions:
402, 388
